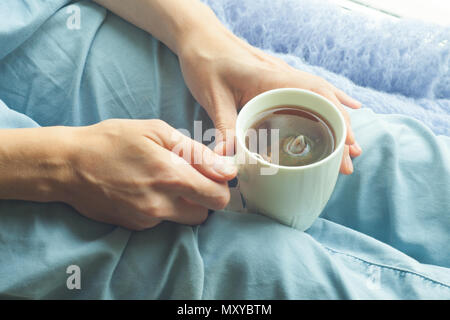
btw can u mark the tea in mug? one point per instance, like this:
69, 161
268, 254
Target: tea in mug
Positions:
304, 137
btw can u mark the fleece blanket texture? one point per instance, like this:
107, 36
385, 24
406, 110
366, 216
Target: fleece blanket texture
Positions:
408, 59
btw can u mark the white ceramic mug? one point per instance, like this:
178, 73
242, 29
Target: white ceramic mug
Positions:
294, 196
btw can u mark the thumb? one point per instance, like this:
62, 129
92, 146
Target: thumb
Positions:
224, 119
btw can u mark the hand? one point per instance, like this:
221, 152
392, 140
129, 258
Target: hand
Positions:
125, 173
223, 72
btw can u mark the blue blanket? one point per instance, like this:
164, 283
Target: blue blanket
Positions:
384, 233
407, 59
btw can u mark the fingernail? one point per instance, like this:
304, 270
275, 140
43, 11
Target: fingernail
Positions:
224, 166
357, 146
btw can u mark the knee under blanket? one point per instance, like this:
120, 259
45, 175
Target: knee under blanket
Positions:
384, 233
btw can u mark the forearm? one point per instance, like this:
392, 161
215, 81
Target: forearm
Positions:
171, 21
34, 163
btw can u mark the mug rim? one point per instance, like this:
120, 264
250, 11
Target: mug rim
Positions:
293, 168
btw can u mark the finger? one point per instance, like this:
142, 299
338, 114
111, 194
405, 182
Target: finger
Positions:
346, 163
355, 150
347, 100
224, 115
350, 139
202, 191
189, 183
136, 220
226, 146
206, 161
186, 212
140, 222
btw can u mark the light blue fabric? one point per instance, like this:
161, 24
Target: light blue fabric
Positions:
384, 233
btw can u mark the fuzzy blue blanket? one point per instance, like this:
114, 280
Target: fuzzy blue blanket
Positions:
405, 63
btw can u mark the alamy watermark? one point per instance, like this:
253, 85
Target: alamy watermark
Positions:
263, 147
74, 280
73, 22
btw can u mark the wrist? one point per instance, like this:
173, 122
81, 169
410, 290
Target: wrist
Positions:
59, 169
198, 31
35, 163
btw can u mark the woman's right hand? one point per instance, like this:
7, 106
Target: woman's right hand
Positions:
124, 173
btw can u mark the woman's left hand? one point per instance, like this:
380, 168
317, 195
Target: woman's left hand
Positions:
223, 72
